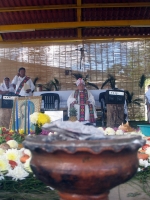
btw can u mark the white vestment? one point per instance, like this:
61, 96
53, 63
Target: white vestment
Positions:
3, 87
71, 99
147, 95
17, 80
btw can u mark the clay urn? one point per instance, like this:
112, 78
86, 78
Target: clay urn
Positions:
84, 170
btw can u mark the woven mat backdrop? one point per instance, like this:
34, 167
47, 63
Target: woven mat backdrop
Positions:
126, 60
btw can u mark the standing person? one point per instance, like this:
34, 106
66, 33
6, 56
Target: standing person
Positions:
6, 87
147, 96
24, 85
84, 103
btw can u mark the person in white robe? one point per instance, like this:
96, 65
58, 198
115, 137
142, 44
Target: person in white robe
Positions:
147, 96
24, 85
84, 103
6, 87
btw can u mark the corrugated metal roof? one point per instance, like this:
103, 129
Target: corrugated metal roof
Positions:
95, 14
116, 32
37, 16
57, 13
19, 3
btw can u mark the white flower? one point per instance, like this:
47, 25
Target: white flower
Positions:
148, 151
13, 154
101, 129
133, 133
139, 169
27, 165
119, 132
109, 131
27, 152
1, 151
4, 164
13, 144
18, 173
21, 150
50, 133
34, 117
143, 163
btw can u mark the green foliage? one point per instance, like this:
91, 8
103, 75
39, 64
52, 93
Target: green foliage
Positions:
93, 85
143, 177
2, 140
38, 129
77, 76
19, 138
52, 84
110, 81
129, 98
142, 81
35, 80
30, 187
72, 112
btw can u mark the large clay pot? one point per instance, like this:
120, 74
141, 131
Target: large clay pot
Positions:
84, 170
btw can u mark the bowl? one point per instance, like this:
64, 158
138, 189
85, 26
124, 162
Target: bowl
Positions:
145, 129
82, 170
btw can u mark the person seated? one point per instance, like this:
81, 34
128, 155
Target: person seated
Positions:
24, 85
6, 87
84, 103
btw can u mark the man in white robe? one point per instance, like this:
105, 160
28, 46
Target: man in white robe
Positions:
24, 85
147, 96
6, 87
84, 103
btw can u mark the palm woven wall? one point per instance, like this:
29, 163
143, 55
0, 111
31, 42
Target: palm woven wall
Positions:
126, 60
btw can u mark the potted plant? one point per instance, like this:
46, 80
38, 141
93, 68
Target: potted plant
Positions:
73, 114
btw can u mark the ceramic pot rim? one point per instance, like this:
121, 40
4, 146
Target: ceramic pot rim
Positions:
110, 143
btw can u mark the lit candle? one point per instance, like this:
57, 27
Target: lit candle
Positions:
17, 122
28, 116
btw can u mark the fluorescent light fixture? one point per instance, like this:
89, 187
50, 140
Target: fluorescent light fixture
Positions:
140, 26
14, 31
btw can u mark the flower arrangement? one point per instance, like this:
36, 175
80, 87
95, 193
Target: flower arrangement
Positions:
14, 163
116, 131
39, 119
16, 178
6, 135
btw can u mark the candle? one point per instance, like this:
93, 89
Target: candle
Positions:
17, 122
25, 117
28, 116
